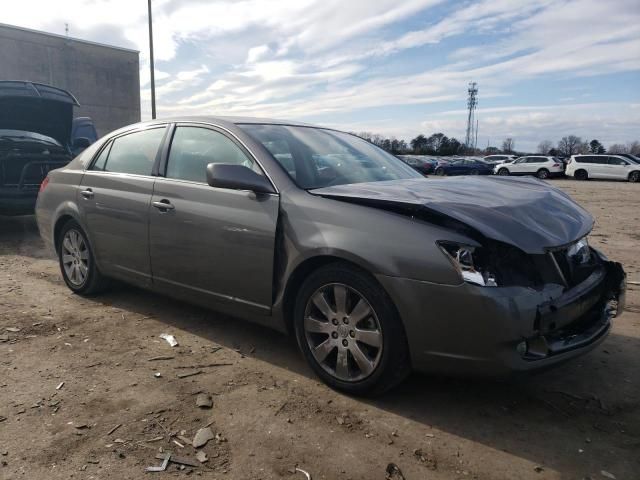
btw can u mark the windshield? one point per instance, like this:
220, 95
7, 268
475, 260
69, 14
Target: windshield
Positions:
24, 135
316, 158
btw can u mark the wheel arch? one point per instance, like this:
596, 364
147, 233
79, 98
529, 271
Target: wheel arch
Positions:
305, 268
632, 172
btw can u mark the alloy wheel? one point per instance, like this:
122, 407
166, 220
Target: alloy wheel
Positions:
75, 257
343, 332
634, 177
542, 174
503, 172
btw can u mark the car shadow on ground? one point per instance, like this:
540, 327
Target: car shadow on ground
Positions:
592, 399
591, 404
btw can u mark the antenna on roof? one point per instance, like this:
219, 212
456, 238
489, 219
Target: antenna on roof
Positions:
66, 29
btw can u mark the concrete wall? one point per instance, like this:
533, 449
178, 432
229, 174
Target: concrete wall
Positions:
104, 79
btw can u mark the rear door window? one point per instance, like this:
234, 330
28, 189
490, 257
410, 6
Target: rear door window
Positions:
193, 148
134, 153
617, 161
101, 161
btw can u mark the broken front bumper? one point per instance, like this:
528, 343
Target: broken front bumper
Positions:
468, 329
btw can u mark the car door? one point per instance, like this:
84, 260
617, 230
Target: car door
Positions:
518, 166
114, 203
208, 244
617, 168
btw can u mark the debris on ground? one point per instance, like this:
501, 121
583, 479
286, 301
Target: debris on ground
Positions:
204, 400
165, 461
180, 460
4, 337
393, 472
157, 374
430, 462
161, 357
202, 456
171, 340
538, 469
306, 474
189, 374
12, 329
604, 473
202, 437
114, 429
60, 385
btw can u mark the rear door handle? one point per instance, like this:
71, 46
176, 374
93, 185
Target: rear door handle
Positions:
163, 205
88, 193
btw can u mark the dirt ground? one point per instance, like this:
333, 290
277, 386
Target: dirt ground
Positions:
78, 367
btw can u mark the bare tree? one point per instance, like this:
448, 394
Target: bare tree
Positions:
634, 147
508, 145
570, 145
544, 147
618, 148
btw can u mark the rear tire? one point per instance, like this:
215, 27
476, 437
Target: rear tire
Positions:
77, 263
440, 172
352, 303
581, 175
503, 171
634, 177
542, 174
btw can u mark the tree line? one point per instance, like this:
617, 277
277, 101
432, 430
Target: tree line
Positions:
441, 145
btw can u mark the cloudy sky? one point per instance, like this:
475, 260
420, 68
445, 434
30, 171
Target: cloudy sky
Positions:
544, 68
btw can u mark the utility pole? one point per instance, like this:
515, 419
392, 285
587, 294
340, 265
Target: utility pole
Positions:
472, 126
153, 79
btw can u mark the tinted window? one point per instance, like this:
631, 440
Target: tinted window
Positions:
102, 158
616, 161
193, 148
135, 153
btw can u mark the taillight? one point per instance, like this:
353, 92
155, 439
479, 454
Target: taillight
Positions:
556, 164
44, 184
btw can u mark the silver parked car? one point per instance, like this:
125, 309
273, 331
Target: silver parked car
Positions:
375, 269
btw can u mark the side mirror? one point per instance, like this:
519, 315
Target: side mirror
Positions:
237, 177
81, 142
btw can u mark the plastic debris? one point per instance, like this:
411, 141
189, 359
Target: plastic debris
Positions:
306, 474
604, 473
204, 400
202, 437
181, 460
171, 340
12, 329
60, 385
201, 456
163, 467
189, 374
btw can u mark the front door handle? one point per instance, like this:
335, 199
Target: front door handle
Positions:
88, 193
163, 205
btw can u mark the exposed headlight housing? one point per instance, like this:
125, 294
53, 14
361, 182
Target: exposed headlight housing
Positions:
580, 252
462, 258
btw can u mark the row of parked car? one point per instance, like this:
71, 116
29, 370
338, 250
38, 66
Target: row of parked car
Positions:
581, 167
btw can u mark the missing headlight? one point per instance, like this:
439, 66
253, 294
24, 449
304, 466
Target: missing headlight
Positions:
462, 258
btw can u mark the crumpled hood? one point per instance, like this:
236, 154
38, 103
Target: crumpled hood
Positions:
524, 212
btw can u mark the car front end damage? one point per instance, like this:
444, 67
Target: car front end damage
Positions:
531, 291
517, 321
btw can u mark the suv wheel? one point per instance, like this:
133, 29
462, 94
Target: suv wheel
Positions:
581, 175
77, 263
349, 331
542, 174
634, 176
503, 172
440, 171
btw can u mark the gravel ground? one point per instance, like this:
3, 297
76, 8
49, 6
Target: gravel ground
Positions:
80, 367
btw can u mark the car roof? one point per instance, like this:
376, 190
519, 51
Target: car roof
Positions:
222, 119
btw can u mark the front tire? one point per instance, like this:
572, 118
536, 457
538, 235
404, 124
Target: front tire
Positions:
503, 171
440, 172
634, 177
77, 263
350, 332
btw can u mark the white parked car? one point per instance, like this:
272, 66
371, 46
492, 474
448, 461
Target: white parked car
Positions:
496, 159
612, 167
538, 165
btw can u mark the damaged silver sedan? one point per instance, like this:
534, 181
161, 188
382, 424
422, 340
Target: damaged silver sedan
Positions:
375, 269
